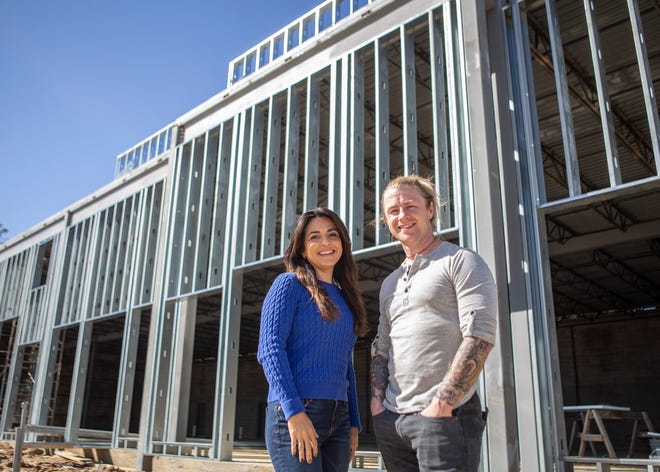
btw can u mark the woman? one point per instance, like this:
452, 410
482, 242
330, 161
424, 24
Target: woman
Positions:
310, 320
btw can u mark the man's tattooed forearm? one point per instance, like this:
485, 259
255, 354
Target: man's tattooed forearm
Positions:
379, 376
465, 369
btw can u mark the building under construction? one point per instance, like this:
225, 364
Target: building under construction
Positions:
129, 321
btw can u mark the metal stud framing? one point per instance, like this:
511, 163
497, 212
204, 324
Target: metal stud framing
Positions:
233, 193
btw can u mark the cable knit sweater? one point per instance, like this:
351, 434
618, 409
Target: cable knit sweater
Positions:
304, 356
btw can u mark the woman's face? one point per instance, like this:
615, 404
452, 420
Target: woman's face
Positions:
322, 247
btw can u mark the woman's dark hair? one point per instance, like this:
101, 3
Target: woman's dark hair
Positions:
345, 271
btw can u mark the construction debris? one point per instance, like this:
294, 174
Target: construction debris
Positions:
52, 460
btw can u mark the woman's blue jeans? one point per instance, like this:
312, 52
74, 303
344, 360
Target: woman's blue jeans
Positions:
333, 425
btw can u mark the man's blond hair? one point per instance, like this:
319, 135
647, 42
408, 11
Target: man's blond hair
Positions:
426, 188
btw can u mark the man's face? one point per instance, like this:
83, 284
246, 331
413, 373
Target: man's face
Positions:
407, 214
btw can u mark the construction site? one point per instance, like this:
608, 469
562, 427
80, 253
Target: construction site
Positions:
129, 321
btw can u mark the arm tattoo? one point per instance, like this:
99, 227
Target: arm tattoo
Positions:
379, 376
465, 369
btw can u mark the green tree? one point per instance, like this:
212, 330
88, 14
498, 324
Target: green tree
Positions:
3, 231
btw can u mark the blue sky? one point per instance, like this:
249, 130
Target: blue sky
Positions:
83, 80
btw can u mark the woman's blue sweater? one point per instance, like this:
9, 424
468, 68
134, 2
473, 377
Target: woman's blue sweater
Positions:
304, 356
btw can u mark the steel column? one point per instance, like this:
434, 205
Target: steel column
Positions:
497, 380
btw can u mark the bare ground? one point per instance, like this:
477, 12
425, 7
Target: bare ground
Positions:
51, 460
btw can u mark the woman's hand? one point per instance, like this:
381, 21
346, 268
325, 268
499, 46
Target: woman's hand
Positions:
354, 441
304, 441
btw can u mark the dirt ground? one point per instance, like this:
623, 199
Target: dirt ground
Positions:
42, 460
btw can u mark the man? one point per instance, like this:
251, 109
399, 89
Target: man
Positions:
437, 325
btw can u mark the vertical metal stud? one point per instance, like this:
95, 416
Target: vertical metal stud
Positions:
336, 123
102, 241
191, 216
109, 258
382, 130
408, 87
126, 275
271, 177
206, 201
356, 188
151, 235
607, 124
189, 261
440, 147
292, 150
178, 216
564, 101
647, 80
78, 382
220, 204
254, 183
312, 135
241, 156
345, 125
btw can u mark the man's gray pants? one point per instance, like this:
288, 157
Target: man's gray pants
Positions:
411, 442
